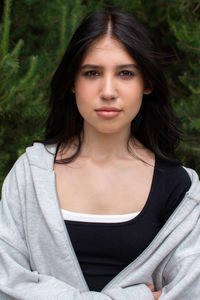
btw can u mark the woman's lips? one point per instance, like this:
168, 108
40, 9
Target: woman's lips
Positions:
108, 113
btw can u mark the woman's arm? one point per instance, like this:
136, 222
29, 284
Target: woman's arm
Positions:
182, 281
181, 275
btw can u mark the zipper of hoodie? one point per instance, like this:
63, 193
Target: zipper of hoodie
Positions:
73, 254
122, 274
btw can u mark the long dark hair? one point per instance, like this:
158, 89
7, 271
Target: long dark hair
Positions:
155, 126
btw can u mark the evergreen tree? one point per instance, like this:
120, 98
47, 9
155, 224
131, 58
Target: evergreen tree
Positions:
15, 93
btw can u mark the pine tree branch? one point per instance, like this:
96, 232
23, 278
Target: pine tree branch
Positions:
196, 8
16, 50
6, 26
188, 117
24, 81
7, 97
190, 47
63, 30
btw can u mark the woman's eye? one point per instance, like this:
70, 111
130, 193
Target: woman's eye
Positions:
126, 74
91, 73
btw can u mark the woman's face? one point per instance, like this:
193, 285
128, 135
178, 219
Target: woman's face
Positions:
108, 77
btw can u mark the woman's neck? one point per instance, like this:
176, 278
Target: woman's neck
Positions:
99, 147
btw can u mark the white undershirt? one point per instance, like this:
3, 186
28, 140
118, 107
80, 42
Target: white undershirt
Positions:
74, 216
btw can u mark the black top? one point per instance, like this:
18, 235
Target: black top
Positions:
104, 249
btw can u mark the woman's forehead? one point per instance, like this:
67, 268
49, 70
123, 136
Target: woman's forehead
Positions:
106, 51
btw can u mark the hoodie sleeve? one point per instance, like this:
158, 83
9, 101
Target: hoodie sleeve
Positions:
181, 276
18, 280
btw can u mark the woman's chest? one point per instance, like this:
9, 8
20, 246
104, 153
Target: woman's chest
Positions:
108, 190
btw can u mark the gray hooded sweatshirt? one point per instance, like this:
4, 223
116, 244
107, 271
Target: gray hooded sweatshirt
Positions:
37, 260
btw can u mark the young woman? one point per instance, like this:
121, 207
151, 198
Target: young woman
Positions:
101, 209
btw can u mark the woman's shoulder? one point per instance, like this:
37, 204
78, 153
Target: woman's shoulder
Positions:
180, 177
39, 155
194, 190
174, 171
40, 149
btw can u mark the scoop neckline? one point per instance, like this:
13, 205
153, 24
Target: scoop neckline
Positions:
136, 218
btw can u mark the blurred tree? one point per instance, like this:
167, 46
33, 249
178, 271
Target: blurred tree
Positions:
15, 92
184, 23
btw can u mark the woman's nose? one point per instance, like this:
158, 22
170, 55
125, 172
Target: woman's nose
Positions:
108, 89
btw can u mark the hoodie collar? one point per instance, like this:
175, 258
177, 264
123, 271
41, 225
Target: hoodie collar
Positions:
42, 155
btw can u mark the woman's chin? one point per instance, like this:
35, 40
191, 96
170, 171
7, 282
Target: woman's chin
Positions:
108, 130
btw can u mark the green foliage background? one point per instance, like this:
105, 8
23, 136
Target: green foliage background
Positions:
33, 37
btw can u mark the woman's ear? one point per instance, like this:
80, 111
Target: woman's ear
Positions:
148, 88
73, 90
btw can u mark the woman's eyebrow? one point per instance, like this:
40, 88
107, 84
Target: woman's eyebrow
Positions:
87, 66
